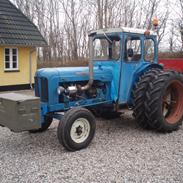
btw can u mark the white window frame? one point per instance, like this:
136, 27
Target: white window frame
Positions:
11, 60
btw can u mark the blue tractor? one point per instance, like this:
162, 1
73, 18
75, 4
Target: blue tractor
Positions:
123, 72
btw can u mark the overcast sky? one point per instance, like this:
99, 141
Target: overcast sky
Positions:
174, 15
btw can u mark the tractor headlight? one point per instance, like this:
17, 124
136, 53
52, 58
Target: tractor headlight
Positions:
60, 90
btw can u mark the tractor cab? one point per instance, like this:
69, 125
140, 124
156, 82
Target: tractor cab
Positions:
128, 44
128, 51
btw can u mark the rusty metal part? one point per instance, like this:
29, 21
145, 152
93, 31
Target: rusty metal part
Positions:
172, 105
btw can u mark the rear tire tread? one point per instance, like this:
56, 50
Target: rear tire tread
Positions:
139, 96
152, 98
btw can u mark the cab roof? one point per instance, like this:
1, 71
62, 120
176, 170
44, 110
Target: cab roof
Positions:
118, 30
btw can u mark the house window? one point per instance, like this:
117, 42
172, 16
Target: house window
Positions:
11, 59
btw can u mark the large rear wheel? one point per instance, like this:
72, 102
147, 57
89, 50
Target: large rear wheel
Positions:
164, 102
139, 96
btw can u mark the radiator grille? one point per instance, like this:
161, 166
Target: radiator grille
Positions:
36, 87
44, 89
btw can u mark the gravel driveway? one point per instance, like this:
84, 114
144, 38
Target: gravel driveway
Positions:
120, 153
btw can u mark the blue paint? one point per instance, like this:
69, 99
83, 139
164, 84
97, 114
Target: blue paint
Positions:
119, 77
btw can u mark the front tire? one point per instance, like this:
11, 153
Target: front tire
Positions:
76, 129
164, 102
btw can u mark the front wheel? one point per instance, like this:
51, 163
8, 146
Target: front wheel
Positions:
76, 129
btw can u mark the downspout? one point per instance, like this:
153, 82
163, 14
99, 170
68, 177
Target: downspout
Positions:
30, 67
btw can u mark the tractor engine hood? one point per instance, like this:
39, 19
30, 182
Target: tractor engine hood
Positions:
67, 74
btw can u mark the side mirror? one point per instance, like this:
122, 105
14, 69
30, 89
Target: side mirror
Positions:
130, 52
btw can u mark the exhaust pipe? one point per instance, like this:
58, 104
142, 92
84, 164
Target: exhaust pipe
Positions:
90, 82
74, 89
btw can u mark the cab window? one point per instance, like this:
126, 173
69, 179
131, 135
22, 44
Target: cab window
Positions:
104, 49
133, 51
149, 50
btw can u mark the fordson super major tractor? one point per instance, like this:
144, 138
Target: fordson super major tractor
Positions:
123, 72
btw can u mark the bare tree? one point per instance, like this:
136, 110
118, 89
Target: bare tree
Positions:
171, 39
73, 12
180, 23
65, 23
